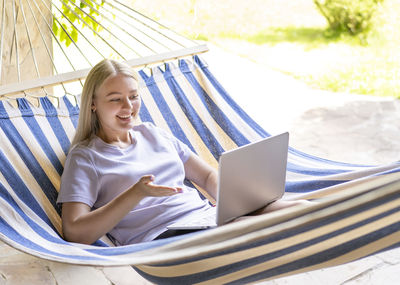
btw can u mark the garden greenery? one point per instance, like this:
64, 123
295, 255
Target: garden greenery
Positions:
352, 16
83, 12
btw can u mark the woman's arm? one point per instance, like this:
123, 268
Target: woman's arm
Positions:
202, 174
82, 225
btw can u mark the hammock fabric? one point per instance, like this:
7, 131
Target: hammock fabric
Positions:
358, 212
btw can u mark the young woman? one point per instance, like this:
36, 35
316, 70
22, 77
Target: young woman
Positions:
124, 178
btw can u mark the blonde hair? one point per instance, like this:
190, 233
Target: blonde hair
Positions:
88, 124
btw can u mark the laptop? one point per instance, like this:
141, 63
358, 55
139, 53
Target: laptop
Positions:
250, 177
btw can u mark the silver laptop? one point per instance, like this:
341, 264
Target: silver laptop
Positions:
250, 177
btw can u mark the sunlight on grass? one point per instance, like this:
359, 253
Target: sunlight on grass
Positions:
291, 37
331, 62
310, 37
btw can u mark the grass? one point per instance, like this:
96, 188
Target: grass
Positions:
291, 37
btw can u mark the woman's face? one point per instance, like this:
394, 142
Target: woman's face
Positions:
116, 104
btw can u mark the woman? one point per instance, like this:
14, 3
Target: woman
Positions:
123, 178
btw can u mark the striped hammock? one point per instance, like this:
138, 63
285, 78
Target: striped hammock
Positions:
358, 213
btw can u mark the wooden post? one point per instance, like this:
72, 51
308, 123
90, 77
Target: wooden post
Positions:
22, 53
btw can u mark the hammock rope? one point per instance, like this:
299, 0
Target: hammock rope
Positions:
72, 37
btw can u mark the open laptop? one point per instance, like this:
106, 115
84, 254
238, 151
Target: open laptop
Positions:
250, 177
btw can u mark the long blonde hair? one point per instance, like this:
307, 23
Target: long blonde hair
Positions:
88, 123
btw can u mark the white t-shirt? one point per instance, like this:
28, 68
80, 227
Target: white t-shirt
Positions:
97, 173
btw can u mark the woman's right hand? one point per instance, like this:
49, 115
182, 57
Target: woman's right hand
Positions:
145, 187
81, 224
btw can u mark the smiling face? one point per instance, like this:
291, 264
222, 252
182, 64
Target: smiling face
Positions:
116, 104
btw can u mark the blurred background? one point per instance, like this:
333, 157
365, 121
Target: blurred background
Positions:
295, 38
327, 71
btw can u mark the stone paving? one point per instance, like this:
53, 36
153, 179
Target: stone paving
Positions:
338, 126
17, 268
342, 127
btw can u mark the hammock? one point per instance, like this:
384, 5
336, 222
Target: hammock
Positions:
358, 213
358, 210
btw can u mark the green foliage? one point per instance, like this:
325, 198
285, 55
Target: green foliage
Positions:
83, 13
352, 16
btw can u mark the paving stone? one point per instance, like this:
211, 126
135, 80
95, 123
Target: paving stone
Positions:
26, 273
19, 268
124, 276
66, 274
390, 256
386, 274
